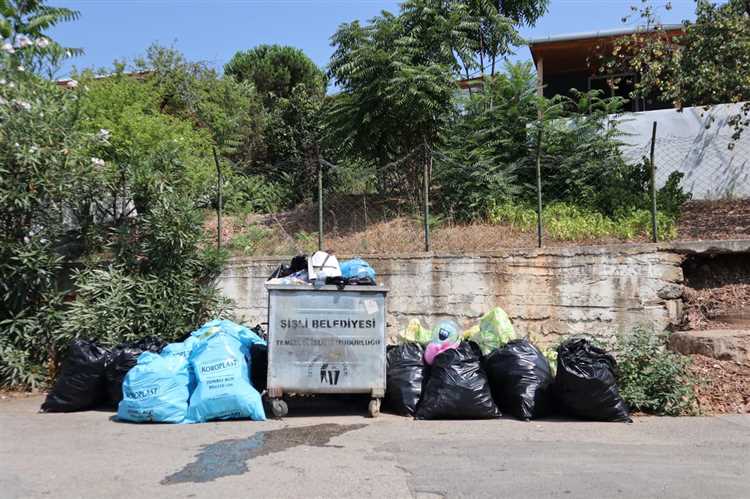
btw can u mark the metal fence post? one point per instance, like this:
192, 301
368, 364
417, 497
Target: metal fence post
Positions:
654, 226
218, 206
426, 196
539, 187
320, 205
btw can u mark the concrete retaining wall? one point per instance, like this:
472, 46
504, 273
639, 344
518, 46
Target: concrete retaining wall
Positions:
548, 293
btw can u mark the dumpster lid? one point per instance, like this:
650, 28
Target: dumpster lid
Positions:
310, 287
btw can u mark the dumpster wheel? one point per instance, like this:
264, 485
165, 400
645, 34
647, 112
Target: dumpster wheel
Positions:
279, 408
374, 408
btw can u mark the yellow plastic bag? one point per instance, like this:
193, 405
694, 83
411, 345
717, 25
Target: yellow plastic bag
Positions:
495, 330
415, 333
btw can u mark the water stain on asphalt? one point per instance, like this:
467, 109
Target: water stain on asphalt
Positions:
229, 457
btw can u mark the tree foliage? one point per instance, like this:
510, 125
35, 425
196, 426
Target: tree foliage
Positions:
23, 24
276, 70
395, 98
486, 144
94, 173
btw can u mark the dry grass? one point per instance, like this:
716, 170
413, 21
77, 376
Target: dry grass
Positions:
370, 224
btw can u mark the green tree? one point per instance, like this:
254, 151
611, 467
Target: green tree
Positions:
276, 70
500, 20
23, 24
292, 89
394, 100
142, 150
487, 142
469, 35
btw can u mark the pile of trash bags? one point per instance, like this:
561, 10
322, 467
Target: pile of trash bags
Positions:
487, 370
203, 378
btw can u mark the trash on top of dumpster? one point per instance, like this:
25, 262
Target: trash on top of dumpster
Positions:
323, 268
322, 265
357, 272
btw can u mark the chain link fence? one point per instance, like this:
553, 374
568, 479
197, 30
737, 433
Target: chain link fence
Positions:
687, 187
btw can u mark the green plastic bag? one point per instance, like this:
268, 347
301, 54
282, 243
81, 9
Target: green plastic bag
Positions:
415, 333
495, 330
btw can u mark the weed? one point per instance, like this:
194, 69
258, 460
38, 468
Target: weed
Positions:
651, 378
249, 240
567, 222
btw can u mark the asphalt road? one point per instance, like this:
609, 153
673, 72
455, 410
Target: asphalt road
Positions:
337, 452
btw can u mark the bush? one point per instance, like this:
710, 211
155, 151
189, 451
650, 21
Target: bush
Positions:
249, 240
254, 193
651, 378
114, 305
568, 222
40, 169
160, 281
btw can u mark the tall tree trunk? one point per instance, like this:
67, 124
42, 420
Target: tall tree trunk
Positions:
481, 52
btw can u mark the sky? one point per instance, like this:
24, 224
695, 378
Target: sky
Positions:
213, 30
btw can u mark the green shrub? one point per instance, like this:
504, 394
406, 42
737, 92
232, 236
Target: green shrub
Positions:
114, 305
249, 240
651, 378
568, 222
159, 281
253, 193
41, 167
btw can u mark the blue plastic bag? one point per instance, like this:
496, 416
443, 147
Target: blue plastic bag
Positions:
357, 269
242, 333
220, 363
183, 349
155, 390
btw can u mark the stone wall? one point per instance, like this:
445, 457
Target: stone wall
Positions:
548, 293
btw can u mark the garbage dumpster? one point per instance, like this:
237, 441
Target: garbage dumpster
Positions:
326, 341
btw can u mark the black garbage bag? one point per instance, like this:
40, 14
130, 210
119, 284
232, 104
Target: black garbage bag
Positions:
457, 387
80, 385
259, 366
280, 271
122, 359
405, 375
520, 379
298, 263
586, 382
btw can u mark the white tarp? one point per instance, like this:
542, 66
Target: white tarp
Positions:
696, 142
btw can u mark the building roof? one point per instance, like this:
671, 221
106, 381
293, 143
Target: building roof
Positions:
599, 34
575, 52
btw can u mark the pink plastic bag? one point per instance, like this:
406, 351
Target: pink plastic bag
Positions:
434, 349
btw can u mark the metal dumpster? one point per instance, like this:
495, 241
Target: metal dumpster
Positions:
326, 340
